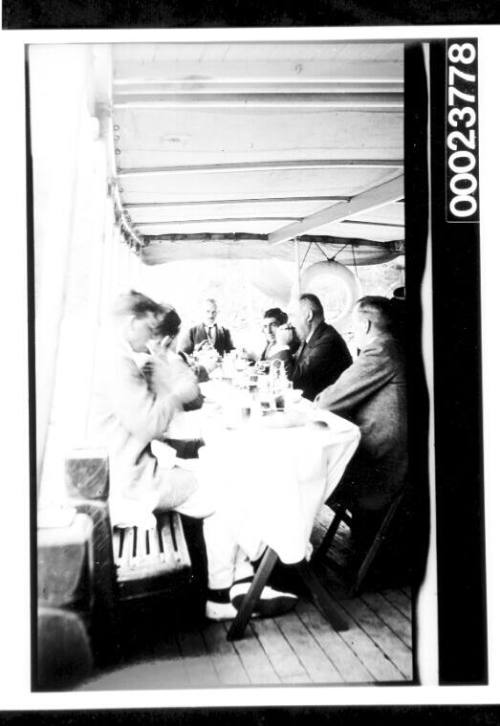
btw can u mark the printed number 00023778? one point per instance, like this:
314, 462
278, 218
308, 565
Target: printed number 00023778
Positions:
461, 140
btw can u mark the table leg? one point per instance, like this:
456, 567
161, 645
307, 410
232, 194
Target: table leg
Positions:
246, 608
321, 596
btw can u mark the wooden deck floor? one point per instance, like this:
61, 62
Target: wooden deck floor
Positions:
298, 648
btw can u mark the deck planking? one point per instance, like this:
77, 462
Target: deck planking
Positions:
397, 652
400, 599
315, 662
255, 661
350, 668
200, 669
298, 648
392, 617
225, 659
375, 660
280, 654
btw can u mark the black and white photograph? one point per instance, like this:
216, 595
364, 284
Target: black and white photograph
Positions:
230, 315
255, 408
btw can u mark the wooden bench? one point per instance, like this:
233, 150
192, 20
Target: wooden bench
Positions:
130, 563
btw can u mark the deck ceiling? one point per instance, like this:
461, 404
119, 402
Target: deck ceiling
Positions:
225, 149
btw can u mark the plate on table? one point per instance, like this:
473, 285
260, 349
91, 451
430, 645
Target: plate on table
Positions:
283, 419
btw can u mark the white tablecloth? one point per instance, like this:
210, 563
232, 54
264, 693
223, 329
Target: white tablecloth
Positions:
269, 483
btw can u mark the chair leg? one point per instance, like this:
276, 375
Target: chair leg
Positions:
375, 546
237, 629
330, 534
322, 598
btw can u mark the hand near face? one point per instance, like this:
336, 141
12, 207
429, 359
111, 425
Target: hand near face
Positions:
185, 388
160, 346
175, 377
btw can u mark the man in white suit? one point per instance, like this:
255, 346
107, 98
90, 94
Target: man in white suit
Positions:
130, 417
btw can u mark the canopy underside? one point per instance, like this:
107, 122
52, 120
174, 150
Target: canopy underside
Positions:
236, 149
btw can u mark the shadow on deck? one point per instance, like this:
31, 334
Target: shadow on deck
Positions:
162, 647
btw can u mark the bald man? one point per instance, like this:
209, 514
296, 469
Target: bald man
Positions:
323, 353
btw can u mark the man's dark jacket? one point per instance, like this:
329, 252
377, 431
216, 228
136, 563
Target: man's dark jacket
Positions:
198, 334
320, 362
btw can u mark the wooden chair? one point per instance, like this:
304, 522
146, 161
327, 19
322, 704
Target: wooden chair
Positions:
344, 507
321, 597
130, 563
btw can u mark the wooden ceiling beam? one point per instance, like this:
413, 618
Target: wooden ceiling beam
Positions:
126, 87
343, 101
256, 200
235, 71
215, 220
378, 196
374, 224
395, 245
256, 166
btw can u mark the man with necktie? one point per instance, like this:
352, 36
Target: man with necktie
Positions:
323, 353
207, 334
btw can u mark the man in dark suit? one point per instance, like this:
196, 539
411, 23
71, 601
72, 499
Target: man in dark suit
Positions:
323, 353
207, 334
372, 394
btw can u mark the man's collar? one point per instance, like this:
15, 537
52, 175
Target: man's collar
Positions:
312, 332
369, 340
279, 348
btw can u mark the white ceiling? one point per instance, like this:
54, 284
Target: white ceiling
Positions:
249, 138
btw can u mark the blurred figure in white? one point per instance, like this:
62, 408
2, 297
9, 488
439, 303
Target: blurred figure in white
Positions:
130, 416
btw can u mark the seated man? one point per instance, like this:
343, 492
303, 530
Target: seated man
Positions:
129, 418
286, 341
183, 433
273, 318
323, 353
165, 342
372, 394
209, 333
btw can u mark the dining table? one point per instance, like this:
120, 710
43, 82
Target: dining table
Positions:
271, 460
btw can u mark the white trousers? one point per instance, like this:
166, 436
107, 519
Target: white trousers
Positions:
183, 492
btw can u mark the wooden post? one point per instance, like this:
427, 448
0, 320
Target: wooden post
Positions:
297, 264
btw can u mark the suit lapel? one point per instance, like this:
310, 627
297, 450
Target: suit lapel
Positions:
300, 351
310, 344
201, 334
316, 335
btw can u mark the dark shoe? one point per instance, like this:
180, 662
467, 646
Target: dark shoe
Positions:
271, 602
